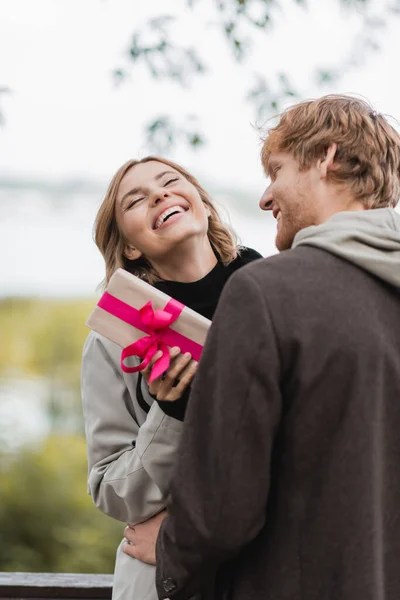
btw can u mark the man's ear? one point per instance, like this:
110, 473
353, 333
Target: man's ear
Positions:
132, 253
326, 164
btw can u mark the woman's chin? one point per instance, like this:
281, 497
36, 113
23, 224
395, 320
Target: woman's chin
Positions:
181, 229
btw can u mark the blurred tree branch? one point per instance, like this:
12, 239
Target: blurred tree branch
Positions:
162, 58
237, 21
163, 133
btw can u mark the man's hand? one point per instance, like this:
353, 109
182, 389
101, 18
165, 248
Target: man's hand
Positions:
141, 539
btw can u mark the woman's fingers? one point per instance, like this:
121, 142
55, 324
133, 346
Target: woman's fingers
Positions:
171, 385
178, 378
155, 385
173, 353
147, 371
178, 367
185, 379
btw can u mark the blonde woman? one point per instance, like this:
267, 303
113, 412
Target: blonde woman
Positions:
158, 223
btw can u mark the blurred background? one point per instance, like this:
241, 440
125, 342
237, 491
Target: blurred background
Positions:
84, 86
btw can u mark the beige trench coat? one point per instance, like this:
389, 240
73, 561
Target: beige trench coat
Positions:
131, 453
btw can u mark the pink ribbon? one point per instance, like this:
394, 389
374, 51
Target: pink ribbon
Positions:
156, 323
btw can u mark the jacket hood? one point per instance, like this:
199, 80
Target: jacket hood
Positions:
369, 239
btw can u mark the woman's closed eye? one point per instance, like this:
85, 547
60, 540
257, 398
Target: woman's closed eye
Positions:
133, 202
171, 181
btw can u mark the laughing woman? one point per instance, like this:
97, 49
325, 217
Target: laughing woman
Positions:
158, 223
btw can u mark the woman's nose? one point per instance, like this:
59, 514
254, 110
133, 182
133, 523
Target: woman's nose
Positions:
266, 199
159, 197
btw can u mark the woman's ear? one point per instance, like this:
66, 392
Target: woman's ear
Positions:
132, 253
208, 211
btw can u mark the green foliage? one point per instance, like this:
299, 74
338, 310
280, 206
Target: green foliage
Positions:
162, 58
47, 521
44, 338
268, 96
239, 22
165, 133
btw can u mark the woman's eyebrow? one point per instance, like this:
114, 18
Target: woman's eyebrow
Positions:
160, 175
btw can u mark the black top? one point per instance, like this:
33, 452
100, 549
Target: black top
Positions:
201, 296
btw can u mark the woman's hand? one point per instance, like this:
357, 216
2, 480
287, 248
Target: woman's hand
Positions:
171, 385
141, 539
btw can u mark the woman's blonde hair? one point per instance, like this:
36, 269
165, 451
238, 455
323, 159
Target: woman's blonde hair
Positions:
111, 242
367, 159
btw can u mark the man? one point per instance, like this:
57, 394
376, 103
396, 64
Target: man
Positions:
287, 485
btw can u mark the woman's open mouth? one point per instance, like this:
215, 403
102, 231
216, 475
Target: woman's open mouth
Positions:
169, 215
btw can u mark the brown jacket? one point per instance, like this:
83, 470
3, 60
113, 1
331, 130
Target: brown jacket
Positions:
287, 485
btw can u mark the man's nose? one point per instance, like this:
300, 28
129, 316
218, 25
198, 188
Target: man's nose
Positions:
266, 199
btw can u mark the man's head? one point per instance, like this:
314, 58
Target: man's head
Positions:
326, 156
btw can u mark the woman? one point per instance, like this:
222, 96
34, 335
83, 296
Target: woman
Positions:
157, 222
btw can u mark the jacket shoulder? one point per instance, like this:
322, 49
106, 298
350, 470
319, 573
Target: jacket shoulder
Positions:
289, 261
96, 344
282, 275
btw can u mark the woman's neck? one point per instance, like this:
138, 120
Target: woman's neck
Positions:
187, 264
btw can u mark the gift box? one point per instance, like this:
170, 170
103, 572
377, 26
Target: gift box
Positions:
143, 320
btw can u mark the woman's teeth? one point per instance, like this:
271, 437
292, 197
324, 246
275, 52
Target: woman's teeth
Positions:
167, 213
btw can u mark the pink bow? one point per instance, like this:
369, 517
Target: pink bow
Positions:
156, 322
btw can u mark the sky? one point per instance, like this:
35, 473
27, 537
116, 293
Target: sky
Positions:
66, 120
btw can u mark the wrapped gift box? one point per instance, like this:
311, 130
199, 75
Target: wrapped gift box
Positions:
143, 320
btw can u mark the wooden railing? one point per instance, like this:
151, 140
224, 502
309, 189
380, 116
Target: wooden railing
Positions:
69, 586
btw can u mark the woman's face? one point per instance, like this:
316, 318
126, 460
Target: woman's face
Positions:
157, 209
